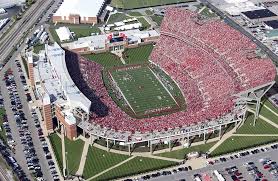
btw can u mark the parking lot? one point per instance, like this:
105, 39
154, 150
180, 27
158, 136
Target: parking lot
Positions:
253, 164
28, 142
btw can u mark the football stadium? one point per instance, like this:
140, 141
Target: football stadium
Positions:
200, 76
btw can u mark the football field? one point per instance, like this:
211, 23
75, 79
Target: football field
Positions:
142, 91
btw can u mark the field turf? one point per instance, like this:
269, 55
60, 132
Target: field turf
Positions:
135, 166
142, 89
99, 160
74, 152
261, 127
56, 144
132, 4
237, 143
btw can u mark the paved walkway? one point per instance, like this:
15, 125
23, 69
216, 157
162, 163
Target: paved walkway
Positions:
111, 168
224, 138
63, 150
83, 158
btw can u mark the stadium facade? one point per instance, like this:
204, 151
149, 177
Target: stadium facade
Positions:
112, 41
219, 73
79, 11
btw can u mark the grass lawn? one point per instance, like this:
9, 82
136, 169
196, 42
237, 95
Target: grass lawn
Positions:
270, 105
54, 35
145, 24
237, 143
208, 12
261, 127
38, 48
117, 17
268, 114
131, 4
138, 55
105, 59
83, 30
149, 12
79, 30
142, 90
180, 154
56, 144
134, 13
157, 19
98, 160
74, 150
135, 166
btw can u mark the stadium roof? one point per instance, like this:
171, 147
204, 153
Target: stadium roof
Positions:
84, 8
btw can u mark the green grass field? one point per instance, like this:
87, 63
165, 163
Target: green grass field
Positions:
237, 143
74, 152
134, 13
56, 144
105, 59
132, 4
117, 17
138, 55
38, 48
180, 154
135, 166
98, 160
142, 90
157, 19
207, 12
79, 30
261, 127
145, 24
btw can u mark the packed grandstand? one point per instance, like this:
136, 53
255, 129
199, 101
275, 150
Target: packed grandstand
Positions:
209, 60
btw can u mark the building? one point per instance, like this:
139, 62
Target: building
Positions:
79, 11
57, 94
112, 41
64, 34
10, 3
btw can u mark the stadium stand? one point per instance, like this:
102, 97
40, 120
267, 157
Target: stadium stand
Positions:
208, 67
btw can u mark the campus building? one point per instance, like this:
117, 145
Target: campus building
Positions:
112, 41
55, 91
79, 11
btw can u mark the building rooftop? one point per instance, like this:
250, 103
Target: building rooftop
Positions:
84, 8
52, 78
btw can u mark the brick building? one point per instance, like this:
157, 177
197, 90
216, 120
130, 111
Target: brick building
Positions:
57, 93
79, 11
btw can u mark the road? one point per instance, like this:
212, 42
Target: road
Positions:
234, 24
14, 36
6, 45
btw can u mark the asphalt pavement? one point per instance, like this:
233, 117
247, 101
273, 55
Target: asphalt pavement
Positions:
188, 176
14, 36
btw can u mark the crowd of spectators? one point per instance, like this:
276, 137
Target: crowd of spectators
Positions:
207, 58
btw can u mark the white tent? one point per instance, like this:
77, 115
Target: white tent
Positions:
64, 33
